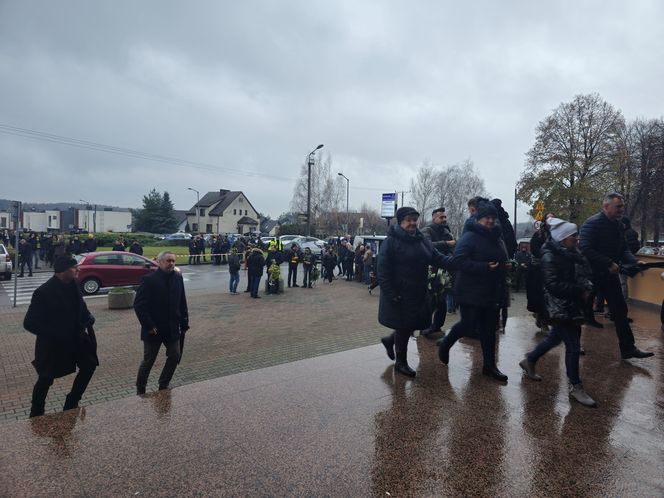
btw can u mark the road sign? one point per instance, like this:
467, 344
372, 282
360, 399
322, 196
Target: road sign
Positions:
539, 216
388, 205
539, 206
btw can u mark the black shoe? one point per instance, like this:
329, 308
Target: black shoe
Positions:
247, 290
595, 324
630, 320
21, 275
636, 353
443, 352
388, 342
256, 297
70, 403
163, 387
295, 285
494, 373
36, 412
403, 368
140, 390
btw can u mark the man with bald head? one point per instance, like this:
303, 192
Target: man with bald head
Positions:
602, 241
161, 308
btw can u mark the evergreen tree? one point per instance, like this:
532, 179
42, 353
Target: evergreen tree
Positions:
168, 214
156, 215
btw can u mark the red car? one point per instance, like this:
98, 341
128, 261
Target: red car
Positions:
112, 269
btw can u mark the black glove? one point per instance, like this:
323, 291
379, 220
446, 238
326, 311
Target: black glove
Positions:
633, 269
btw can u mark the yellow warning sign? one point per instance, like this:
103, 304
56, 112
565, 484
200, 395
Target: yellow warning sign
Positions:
539, 206
539, 216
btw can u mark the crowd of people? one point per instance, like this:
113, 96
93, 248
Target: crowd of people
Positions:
422, 274
40, 249
567, 270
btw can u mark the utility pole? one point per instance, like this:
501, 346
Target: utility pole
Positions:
17, 226
310, 163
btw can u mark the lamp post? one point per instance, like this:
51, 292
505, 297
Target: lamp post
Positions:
198, 212
310, 163
347, 196
87, 215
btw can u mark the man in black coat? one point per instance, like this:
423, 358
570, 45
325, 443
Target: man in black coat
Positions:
25, 252
161, 307
62, 323
403, 266
604, 246
293, 256
443, 241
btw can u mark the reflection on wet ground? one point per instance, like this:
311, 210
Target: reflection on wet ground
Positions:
346, 425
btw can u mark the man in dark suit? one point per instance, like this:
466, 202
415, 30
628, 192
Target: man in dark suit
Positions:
62, 323
161, 307
602, 242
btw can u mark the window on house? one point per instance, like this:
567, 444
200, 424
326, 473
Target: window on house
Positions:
208, 228
201, 211
241, 199
234, 211
194, 227
3, 222
245, 212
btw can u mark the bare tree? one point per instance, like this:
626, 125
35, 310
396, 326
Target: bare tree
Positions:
422, 189
574, 149
326, 190
455, 186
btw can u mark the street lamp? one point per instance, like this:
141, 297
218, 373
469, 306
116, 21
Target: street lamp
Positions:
87, 215
310, 163
347, 195
198, 212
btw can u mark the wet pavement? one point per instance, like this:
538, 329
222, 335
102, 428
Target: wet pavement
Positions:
345, 425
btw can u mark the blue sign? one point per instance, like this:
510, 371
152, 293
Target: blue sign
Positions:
388, 205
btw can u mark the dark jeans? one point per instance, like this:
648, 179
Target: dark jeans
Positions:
292, 274
329, 273
254, 282
40, 391
476, 318
235, 279
150, 352
570, 334
609, 287
26, 261
306, 280
348, 270
451, 304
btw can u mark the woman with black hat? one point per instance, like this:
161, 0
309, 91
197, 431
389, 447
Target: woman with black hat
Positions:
403, 268
480, 261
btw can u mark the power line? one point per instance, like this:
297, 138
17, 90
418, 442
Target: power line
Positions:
137, 154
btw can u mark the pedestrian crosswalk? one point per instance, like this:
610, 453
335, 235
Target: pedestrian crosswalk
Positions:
24, 286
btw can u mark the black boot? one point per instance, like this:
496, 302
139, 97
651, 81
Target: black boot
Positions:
494, 373
70, 403
36, 411
443, 352
402, 367
388, 342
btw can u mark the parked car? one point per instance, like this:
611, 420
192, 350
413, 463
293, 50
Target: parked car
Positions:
287, 239
315, 245
178, 236
112, 269
5, 263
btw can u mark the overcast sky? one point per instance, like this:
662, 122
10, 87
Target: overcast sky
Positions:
247, 89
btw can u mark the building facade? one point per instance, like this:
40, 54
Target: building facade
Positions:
223, 211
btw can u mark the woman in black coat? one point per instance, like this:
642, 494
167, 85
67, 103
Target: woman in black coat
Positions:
481, 262
403, 266
534, 283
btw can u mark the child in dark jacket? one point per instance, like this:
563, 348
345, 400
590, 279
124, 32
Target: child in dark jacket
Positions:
566, 288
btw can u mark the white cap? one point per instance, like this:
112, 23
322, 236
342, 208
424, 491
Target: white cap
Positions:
561, 229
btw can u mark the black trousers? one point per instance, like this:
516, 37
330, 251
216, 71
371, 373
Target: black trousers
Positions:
477, 318
609, 287
150, 352
43, 384
439, 312
292, 274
